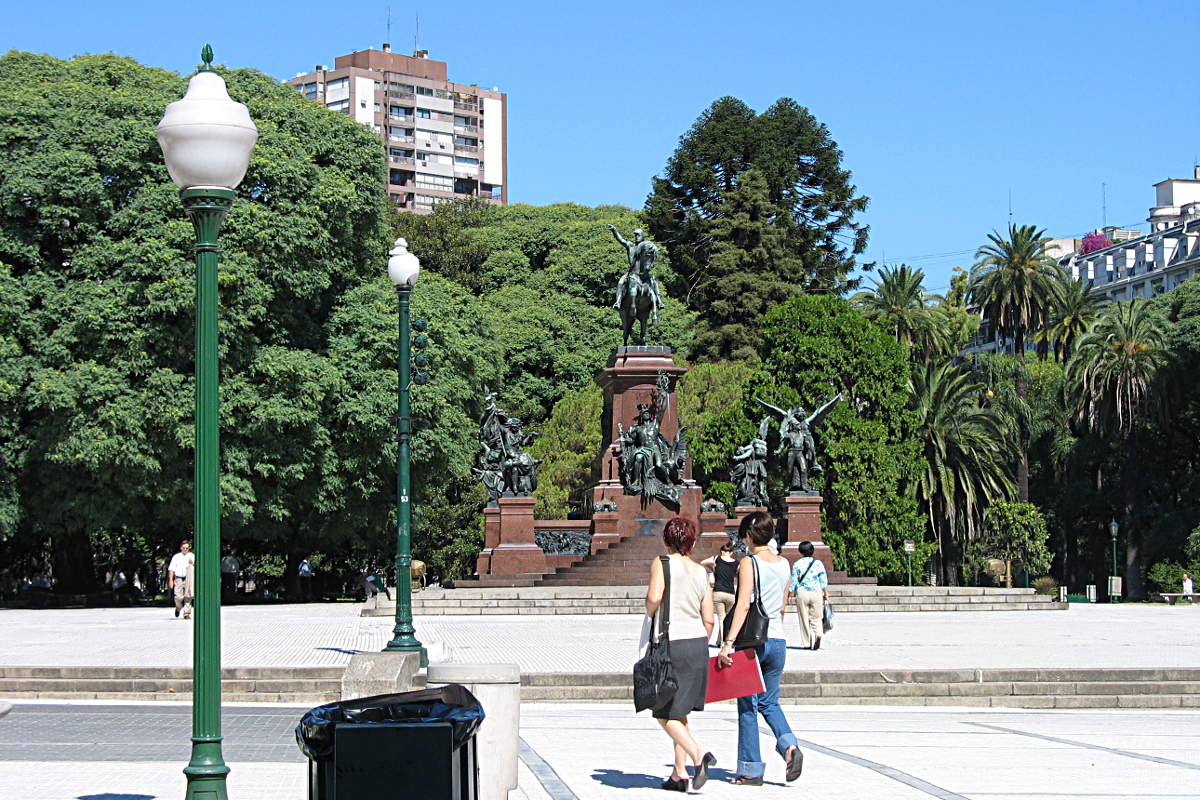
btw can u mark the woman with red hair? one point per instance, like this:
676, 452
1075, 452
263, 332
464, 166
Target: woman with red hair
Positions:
690, 627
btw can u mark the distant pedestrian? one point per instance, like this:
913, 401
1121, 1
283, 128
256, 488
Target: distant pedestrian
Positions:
230, 567
724, 566
1188, 587
373, 585
305, 572
810, 590
179, 579
770, 572
689, 626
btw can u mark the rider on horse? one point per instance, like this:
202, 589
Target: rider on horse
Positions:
642, 254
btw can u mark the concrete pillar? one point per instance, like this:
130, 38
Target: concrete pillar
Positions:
498, 689
517, 553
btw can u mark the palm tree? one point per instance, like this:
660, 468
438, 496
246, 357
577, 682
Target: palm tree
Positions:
1014, 282
1112, 374
967, 451
1074, 310
896, 302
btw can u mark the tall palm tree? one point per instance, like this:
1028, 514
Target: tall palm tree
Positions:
1014, 284
1112, 374
1074, 310
896, 301
967, 449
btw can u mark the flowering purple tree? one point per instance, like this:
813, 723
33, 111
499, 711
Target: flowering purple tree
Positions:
1093, 242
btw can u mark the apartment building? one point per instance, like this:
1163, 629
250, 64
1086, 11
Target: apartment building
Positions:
443, 140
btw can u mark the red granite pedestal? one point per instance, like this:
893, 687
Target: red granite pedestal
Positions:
516, 552
629, 380
491, 538
804, 525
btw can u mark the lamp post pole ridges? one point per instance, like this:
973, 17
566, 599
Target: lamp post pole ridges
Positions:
206, 771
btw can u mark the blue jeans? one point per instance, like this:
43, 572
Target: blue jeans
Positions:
771, 657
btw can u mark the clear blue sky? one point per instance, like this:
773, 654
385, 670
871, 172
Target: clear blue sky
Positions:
942, 108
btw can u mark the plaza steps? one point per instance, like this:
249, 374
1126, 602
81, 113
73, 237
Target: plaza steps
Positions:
315, 685
1008, 688
851, 598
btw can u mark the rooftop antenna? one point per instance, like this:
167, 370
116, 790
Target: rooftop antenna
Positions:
389, 24
1010, 206
1104, 204
417, 36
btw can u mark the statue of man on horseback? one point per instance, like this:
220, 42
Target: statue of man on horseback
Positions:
638, 298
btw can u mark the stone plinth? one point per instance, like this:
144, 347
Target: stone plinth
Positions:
497, 687
516, 552
605, 530
491, 538
370, 674
628, 381
712, 533
804, 525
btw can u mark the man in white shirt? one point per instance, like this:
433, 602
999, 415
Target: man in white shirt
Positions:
1188, 586
179, 578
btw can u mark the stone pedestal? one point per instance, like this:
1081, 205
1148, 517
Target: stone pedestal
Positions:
370, 674
516, 552
491, 538
712, 533
497, 687
739, 513
628, 381
804, 525
605, 530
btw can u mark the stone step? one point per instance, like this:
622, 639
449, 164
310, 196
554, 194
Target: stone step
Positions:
173, 673
238, 684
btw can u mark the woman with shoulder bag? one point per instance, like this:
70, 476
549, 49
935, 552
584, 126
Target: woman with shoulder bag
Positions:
757, 621
689, 624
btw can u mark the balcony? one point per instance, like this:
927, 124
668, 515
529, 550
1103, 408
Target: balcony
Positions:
402, 160
465, 148
466, 107
402, 139
465, 128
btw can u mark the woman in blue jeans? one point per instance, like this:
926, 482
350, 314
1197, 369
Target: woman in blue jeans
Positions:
774, 575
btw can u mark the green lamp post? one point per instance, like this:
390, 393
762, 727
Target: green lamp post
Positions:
403, 269
206, 139
1113, 592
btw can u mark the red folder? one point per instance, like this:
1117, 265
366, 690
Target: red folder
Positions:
743, 678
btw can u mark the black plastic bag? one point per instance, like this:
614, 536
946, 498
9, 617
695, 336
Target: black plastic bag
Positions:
453, 704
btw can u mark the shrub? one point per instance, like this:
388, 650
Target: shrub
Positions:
1166, 576
1046, 585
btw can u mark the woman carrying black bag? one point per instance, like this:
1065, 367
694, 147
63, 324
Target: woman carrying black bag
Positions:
757, 621
688, 614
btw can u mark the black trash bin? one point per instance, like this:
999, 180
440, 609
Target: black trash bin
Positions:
414, 744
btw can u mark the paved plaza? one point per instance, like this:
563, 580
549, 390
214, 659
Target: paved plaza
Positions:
1101, 636
121, 752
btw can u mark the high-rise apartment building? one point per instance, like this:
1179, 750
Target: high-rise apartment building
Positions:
443, 140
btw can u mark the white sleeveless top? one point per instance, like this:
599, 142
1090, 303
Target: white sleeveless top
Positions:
688, 588
773, 581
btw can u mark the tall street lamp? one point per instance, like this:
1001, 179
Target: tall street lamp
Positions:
206, 139
403, 269
1114, 592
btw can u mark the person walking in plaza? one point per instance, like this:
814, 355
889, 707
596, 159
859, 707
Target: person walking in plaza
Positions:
724, 567
810, 590
690, 610
770, 573
1188, 587
305, 573
179, 578
230, 567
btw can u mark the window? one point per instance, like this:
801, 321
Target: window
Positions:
466, 141
339, 105
399, 152
423, 90
377, 86
336, 84
378, 108
400, 112
465, 122
474, 162
438, 182
423, 113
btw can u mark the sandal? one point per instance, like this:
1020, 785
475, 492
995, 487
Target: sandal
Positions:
746, 780
795, 764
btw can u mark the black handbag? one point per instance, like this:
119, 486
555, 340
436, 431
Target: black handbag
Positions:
654, 683
754, 629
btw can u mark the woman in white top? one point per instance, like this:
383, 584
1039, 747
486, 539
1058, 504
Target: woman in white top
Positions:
774, 575
691, 624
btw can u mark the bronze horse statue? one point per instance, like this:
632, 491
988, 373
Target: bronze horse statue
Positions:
638, 298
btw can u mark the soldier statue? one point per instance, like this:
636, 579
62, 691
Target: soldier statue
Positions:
638, 296
749, 470
652, 466
505, 466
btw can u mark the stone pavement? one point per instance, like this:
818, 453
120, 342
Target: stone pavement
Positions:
581, 752
1101, 636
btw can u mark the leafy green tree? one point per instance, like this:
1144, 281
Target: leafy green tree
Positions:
710, 398
724, 229
966, 451
1112, 373
1012, 532
817, 345
443, 238
569, 448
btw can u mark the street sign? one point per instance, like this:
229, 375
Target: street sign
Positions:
910, 546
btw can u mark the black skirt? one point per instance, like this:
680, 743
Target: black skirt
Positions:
689, 662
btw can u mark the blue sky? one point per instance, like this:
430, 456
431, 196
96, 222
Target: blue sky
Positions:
943, 110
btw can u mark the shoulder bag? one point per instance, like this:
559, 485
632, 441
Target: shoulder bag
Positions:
754, 629
654, 683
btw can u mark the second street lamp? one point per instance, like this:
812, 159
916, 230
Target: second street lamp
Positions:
206, 139
1114, 590
403, 269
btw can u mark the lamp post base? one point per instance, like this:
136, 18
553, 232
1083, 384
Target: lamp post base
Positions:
206, 772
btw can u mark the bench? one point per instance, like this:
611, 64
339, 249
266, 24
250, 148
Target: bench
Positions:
1171, 597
